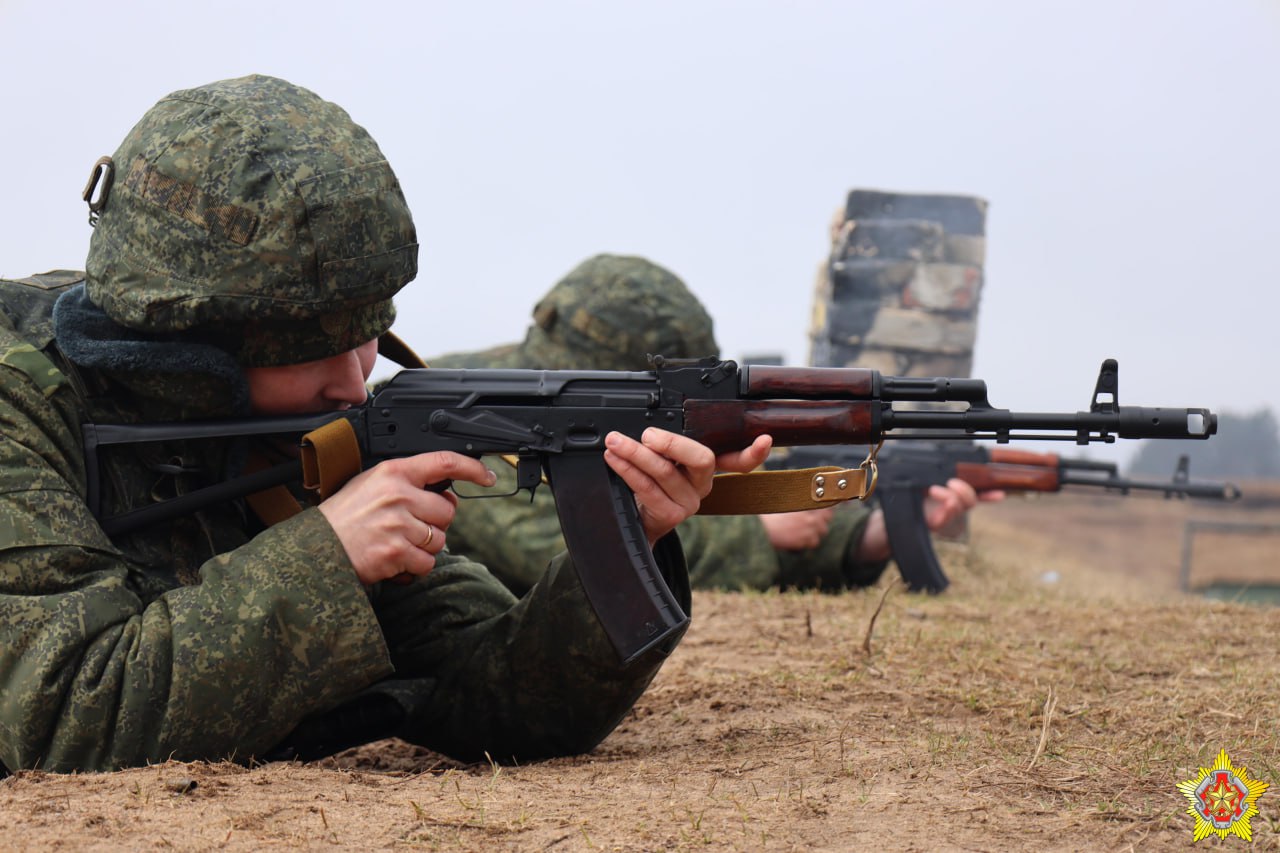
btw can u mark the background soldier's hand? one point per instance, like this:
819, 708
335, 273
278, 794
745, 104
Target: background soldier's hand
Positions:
671, 474
389, 523
797, 531
944, 508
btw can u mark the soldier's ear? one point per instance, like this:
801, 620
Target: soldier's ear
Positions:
545, 316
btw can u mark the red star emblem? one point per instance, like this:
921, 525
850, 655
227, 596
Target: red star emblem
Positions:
1222, 801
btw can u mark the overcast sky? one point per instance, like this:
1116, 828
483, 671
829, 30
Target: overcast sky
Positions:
1128, 151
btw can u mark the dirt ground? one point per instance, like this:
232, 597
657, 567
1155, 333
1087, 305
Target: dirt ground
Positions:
1051, 699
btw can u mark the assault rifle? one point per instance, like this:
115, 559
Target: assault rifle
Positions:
556, 421
908, 470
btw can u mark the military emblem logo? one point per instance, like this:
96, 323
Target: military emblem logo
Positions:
1223, 799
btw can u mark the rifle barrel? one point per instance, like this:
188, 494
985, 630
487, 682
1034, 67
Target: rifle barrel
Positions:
1084, 427
1171, 488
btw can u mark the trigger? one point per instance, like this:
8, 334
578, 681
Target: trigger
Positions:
528, 473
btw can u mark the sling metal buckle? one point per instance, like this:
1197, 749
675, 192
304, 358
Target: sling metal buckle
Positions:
835, 484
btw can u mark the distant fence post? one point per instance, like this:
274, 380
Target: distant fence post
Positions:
1193, 526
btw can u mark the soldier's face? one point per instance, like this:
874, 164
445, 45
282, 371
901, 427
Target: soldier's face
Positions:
325, 385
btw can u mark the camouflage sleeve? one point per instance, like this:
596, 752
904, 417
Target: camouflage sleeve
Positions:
832, 565
93, 676
482, 675
733, 552
729, 552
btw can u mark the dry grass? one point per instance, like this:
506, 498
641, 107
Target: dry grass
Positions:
1011, 713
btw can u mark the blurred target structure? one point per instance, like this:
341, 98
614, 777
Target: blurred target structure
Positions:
901, 288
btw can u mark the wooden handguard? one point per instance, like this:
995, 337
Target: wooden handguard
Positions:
1013, 478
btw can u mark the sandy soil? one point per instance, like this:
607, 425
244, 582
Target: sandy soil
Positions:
1051, 699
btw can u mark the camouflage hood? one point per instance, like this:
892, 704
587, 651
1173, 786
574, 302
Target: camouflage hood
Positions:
612, 312
255, 216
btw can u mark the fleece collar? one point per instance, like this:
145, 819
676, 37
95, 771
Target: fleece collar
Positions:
176, 379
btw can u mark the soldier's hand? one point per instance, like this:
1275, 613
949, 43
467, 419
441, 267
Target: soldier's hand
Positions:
670, 474
945, 507
797, 531
389, 523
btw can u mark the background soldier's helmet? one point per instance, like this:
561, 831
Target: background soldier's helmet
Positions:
613, 311
254, 215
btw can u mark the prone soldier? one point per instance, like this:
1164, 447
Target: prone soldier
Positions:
249, 239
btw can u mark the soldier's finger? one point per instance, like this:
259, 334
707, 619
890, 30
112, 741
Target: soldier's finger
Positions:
442, 466
660, 477
964, 492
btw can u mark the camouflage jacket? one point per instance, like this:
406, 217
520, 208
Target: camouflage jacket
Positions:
209, 637
517, 537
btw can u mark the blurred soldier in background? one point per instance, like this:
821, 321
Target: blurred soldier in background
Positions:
611, 313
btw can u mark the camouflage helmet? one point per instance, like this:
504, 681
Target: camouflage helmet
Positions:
254, 215
613, 311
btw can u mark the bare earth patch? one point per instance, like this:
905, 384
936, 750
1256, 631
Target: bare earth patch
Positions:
1051, 699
